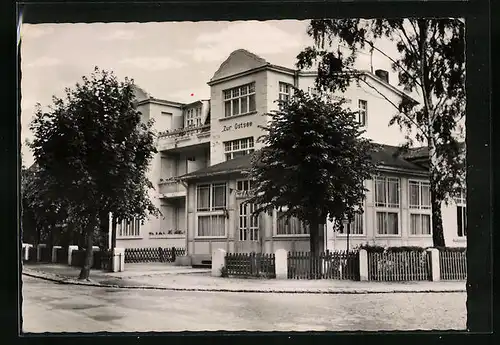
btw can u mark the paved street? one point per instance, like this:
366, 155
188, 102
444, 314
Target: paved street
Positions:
52, 307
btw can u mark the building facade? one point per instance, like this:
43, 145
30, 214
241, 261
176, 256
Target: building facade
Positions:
221, 132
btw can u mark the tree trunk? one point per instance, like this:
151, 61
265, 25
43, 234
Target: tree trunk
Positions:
437, 221
317, 247
87, 263
113, 233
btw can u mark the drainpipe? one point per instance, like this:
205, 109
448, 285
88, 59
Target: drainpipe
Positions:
296, 79
186, 214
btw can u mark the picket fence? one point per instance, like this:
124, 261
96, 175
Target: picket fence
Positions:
250, 265
139, 255
62, 255
328, 265
399, 266
453, 265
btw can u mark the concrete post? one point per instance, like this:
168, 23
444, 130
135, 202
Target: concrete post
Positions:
218, 262
435, 267
363, 265
39, 251
118, 262
70, 251
54, 253
281, 263
27, 247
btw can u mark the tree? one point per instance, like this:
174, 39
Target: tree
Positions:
431, 62
95, 148
313, 165
41, 214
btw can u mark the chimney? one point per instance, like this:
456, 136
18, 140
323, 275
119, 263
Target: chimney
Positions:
382, 74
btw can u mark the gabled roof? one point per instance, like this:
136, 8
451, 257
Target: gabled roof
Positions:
253, 63
385, 157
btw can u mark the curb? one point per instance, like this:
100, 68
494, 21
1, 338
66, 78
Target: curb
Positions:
282, 291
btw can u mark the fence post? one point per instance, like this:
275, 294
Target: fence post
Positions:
27, 247
54, 253
70, 252
39, 251
434, 261
118, 261
218, 257
281, 264
363, 265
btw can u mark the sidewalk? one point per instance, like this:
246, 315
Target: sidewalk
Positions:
167, 277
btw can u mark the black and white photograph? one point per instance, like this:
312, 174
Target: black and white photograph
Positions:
276, 175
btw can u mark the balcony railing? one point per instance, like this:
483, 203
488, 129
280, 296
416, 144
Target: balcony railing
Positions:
171, 188
183, 137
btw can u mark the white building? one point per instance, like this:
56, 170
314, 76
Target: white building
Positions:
206, 142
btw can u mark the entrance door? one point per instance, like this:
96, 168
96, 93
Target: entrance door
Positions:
248, 229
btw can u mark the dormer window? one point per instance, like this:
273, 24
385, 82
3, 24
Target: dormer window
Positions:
192, 117
239, 100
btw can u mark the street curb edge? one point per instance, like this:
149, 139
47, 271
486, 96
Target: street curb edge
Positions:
317, 292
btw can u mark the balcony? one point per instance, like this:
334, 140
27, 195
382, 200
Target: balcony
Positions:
171, 188
183, 137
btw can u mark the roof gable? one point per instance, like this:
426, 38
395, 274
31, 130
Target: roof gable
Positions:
238, 61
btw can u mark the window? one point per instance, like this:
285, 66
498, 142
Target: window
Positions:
243, 185
248, 224
362, 112
129, 228
387, 204
211, 200
193, 117
353, 228
285, 90
461, 202
290, 226
238, 148
212, 225
239, 100
211, 197
419, 202
313, 91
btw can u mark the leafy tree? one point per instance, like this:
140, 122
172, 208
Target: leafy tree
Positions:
314, 164
431, 63
96, 150
41, 214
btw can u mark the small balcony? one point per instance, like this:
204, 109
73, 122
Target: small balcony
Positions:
183, 137
171, 188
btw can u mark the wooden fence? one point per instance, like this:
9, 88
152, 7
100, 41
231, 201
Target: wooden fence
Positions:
328, 265
453, 265
62, 255
78, 258
399, 266
250, 265
46, 254
106, 257
138, 255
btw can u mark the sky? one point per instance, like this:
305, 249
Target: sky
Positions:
170, 60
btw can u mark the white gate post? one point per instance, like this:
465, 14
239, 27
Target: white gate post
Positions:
70, 251
363, 265
54, 253
118, 262
39, 251
281, 263
218, 261
435, 267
